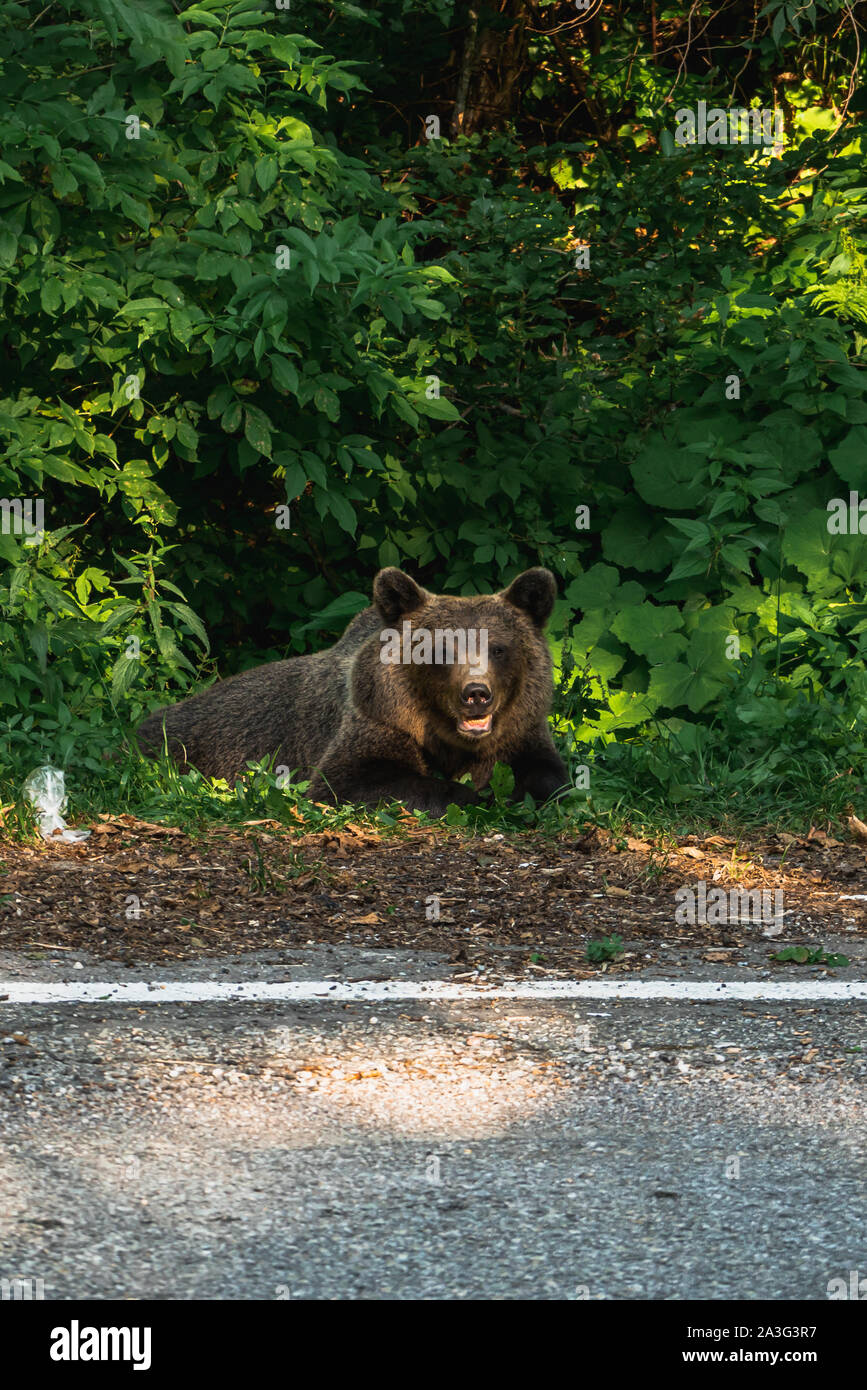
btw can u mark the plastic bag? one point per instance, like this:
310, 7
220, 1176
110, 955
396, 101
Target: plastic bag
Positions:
46, 790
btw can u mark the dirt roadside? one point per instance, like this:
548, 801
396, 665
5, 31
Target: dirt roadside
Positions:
138, 893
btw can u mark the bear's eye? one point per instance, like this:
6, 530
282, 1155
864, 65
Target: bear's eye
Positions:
498, 651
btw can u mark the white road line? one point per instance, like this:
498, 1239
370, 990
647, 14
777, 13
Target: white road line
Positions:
382, 991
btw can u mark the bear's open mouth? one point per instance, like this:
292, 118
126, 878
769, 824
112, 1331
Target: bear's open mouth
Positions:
476, 728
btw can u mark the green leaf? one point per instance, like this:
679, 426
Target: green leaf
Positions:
336, 613
136, 211
327, 402
257, 430
437, 409
502, 782
125, 671
403, 408
666, 476
49, 296
697, 681
849, 459
284, 375
807, 543
44, 217
266, 172
192, 620
431, 308
652, 631
343, 512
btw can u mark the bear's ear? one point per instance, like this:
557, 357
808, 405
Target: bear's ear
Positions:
534, 593
394, 594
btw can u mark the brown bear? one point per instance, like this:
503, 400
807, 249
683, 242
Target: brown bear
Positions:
420, 687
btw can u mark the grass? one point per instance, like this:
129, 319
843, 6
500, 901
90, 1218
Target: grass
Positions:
704, 779
609, 948
802, 955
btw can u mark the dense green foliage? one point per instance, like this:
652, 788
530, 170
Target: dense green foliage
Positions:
261, 336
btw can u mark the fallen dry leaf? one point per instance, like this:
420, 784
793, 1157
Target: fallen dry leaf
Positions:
857, 827
821, 837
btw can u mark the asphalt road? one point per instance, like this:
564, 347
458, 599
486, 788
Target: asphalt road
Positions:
417, 1150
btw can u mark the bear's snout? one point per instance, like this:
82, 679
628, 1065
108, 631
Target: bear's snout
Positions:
474, 694
477, 715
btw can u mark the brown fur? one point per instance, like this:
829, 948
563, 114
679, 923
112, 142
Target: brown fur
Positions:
365, 731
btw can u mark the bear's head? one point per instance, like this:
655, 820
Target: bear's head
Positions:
474, 668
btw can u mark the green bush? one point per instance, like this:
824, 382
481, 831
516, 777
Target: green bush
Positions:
257, 343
